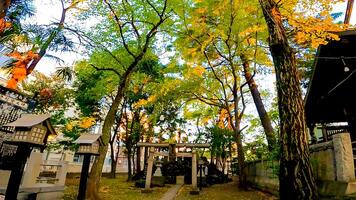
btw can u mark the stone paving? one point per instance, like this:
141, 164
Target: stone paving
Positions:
171, 193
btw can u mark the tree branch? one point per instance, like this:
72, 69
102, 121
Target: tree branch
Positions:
118, 23
106, 69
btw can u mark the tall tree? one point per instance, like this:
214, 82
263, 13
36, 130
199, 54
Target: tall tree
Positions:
219, 41
296, 177
260, 107
136, 24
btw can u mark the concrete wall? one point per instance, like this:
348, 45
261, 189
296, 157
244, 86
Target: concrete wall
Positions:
332, 164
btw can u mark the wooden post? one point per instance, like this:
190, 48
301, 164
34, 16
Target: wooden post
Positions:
201, 177
172, 152
325, 134
84, 177
23, 151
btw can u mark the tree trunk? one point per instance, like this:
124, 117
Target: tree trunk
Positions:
4, 6
235, 124
262, 113
295, 178
241, 161
133, 153
138, 159
96, 170
348, 13
129, 165
113, 160
92, 192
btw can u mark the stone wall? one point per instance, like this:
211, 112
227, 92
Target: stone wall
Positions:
332, 164
263, 175
323, 161
30, 180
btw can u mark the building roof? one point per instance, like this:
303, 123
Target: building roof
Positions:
330, 96
87, 138
28, 120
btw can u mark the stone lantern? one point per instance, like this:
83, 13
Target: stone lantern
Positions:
89, 144
30, 129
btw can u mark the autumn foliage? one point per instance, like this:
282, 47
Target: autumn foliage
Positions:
4, 25
19, 69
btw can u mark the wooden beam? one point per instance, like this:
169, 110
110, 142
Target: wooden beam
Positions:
193, 145
147, 144
184, 154
161, 154
190, 145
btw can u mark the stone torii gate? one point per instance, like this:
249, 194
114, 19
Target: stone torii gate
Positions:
171, 155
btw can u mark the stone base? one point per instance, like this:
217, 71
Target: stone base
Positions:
336, 188
158, 181
195, 192
146, 191
180, 180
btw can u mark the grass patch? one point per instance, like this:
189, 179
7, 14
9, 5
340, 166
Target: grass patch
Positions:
114, 189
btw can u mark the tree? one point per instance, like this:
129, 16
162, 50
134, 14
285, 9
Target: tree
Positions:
296, 177
51, 94
255, 93
220, 140
217, 40
136, 24
40, 39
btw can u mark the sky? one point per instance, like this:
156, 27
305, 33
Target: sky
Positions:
49, 11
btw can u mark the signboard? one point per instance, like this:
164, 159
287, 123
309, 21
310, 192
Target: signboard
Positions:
12, 105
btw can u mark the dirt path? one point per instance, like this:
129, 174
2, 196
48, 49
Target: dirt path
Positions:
227, 191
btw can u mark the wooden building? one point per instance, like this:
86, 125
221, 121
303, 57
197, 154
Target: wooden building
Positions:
330, 103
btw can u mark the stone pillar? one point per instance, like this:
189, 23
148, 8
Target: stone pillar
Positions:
5, 175
194, 170
195, 190
32, 170
345, 170
149, 169
62, 173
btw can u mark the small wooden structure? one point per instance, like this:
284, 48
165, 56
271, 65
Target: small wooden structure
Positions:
30, 131
172, 149
88, 146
